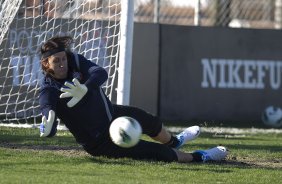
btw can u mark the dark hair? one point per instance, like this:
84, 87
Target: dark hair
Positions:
53, 45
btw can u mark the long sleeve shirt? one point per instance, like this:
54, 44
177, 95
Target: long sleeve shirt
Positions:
92, 115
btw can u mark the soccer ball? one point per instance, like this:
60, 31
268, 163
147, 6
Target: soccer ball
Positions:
125, 131
272, 116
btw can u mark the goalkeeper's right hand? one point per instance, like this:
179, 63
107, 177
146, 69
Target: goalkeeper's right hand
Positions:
75, 90
47, 124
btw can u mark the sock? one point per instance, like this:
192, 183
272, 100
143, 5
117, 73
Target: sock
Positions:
197, 157
173, 142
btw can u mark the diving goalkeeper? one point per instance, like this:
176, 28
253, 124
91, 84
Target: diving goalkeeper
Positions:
71, 90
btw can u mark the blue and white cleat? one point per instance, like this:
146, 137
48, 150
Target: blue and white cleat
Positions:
188, 134
214, 154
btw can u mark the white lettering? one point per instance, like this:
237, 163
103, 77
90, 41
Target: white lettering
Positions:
249, 67
261, 67
36, 73
208, 72
222, 81
241, 74
22, 40
33, 47
15, 62
234, 79
27, 41
12, 37
26, 70
275, 75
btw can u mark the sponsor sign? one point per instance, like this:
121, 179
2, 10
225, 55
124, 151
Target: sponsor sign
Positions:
219, 74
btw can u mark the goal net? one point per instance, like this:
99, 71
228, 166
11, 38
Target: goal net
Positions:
26, 24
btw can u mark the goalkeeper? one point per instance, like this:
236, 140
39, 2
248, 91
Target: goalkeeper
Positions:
71, 91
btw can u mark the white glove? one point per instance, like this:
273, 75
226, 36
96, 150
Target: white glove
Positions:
47, 124
76, 91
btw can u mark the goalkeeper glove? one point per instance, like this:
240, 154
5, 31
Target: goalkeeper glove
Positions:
47, 124
75, 90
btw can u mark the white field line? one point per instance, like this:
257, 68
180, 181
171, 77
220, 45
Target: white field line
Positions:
222, 130
25, 125
216, 130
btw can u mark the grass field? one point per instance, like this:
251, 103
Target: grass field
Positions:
26, 158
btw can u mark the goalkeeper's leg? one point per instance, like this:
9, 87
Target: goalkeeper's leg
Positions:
180, 139
145, 150
153, 127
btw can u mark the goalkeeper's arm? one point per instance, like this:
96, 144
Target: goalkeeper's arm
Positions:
97, 75
48, 99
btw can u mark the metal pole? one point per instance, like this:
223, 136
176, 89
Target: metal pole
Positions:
278, 14
156, 11
125, 56
197, 13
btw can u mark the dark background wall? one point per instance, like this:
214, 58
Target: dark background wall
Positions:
145, 67
167, 80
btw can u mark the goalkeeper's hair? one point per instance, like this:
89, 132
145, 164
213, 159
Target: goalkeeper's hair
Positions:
57, 42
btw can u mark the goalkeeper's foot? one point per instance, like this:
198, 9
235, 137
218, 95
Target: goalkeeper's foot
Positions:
214, 154
188, 134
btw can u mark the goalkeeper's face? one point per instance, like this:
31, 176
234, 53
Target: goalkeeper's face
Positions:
58, 63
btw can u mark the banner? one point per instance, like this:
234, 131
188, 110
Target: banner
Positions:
219, 74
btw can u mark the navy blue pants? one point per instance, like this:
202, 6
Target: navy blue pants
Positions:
151, 126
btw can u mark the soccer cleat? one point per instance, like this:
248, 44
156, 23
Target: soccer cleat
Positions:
215, 154
188, 134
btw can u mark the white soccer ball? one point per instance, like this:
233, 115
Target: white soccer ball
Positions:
272, 117
125, 131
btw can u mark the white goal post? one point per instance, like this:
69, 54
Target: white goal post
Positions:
103, 33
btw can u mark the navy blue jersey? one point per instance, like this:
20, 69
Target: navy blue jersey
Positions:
91, 116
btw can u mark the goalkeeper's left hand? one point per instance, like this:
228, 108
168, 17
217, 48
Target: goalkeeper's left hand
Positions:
75, 90
47, 124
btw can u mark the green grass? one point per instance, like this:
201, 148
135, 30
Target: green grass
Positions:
26, 158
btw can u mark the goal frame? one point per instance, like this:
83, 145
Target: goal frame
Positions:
123, 69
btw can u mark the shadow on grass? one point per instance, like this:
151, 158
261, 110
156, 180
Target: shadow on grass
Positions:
120, 161
227, 166
248, 165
